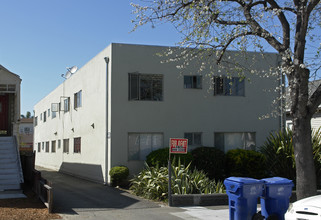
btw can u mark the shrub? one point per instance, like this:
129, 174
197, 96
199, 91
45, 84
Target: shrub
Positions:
245, 163
278, 151
152, 182
211, 160
160, 158
118, 175
280, 161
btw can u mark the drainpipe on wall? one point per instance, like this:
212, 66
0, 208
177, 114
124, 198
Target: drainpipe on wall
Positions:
107, 146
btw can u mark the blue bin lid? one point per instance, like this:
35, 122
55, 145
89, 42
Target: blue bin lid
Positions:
277, 181
244, 180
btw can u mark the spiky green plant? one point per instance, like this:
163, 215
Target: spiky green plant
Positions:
280, 161
152, 182
278, 151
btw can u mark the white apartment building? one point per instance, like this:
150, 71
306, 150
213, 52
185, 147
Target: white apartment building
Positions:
126, 102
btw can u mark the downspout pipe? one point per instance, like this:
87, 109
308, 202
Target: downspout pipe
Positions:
108, 151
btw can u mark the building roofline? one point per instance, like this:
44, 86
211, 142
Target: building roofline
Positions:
16, 75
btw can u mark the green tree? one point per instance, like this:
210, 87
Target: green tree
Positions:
28, 115
290, 27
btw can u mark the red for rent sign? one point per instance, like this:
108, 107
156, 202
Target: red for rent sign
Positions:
178, 146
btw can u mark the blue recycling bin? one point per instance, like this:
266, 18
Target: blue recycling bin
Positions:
276, 197
243, 194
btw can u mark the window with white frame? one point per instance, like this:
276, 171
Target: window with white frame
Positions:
53, 146
145, 87
44, 116
192, 82
194, 138
59, 144
229, 86
77, 145
39, 147
36, 120
141, 144
78, 99
232, 140
48, 113
53, 114
47, 146
66, 145
67, 104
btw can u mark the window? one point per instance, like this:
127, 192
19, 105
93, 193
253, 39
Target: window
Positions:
192, 82
194, 138
77, 145
40, 116
230, 140
77, 99
44, 116
145, 87
53, 114
48, 113
39, 147
53, 146
228, 86
59, 144
36, 121
67, 104
47, 146
7, 88
141, 144
66, 146
43, 145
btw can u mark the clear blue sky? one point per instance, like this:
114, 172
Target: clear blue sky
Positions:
40, 38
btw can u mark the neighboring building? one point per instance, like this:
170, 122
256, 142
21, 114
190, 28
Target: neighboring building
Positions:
10, 167
316, 119
9, 102
26, 134
125, 103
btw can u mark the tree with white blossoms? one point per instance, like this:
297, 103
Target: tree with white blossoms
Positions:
289, 27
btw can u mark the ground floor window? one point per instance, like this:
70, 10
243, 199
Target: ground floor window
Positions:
77, 145
66, 146
53, 146
47, 146
194, 138
141, 144
232, 140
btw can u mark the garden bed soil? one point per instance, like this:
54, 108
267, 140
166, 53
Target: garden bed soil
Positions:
25, 208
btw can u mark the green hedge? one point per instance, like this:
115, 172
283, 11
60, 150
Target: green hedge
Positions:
160, 158
245, 163
119, 175
211, 160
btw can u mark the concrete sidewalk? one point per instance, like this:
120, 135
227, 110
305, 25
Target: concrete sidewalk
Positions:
76, 198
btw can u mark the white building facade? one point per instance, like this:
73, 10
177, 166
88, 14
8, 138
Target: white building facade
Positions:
125, 103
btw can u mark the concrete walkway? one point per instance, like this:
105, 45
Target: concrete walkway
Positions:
76, 198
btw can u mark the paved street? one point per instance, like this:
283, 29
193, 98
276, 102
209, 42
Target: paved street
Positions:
76, 198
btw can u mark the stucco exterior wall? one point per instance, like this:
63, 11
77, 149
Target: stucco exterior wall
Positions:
184, 110
87, 122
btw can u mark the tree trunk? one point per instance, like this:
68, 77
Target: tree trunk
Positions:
305, 170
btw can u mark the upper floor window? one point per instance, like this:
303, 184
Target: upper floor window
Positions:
36, 120
67, 104
192, 82
145, 87
77, 99
48, 113
228, 86
44, 116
